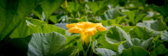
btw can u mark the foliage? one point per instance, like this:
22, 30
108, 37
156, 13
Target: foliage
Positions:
38, 27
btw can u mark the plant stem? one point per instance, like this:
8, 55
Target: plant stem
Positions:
84, 53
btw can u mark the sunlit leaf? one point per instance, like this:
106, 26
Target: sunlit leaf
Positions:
29, 26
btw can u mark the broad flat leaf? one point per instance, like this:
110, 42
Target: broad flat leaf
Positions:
116, 34
49, 6
107, 44
164, 36
12, 12
134, 51
95, 6
143, 33
29, 26
157, 25
104, 52
42, 44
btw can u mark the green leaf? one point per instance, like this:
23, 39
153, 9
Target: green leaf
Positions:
95, 6
116, 34
146, 44
49, 6
12, 12
68, 51
143, 33
104, 52
114, 2
103, 40
126, 28
38, 12
139, 17
164, 36
83, 19
157, 25
132, 16
161, 9
111, 14
134, 51
54, 19
29, 26
72, 39
73, 7
160, 48
42, 44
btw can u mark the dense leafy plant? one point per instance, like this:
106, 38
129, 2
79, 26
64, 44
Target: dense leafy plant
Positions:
38, 28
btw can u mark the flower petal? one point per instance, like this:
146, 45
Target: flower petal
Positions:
91, 31
75, 30
100, 27
70, 25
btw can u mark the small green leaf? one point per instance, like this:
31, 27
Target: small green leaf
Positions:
54, 19
49, 6
73, 7
114, 2
83, 19
38, 12
95, 6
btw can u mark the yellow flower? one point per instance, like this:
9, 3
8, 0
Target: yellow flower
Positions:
86, 29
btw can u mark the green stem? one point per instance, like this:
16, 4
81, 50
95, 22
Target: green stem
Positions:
84, 53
